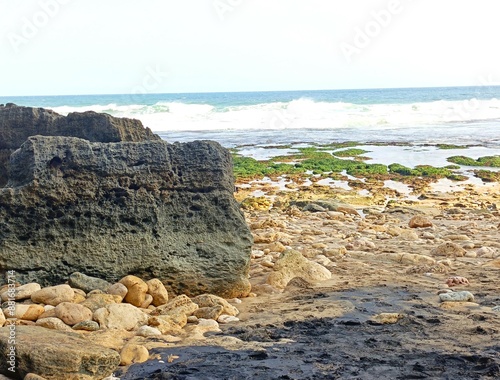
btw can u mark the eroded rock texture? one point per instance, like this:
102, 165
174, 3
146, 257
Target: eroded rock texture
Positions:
149, 208
18, 123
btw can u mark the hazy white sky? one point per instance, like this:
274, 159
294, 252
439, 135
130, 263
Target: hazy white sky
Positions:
56, 47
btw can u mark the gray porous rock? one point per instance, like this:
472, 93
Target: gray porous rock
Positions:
17, 123
147, 208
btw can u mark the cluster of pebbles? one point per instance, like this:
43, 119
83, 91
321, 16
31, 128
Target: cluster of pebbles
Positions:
129, 308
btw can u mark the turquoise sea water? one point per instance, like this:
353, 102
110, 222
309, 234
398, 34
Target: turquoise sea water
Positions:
459, 115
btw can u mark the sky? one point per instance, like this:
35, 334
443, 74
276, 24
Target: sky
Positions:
72, 47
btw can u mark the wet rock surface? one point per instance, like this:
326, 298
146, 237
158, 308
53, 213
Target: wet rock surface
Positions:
418, 346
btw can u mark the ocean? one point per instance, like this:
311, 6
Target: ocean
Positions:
454, 115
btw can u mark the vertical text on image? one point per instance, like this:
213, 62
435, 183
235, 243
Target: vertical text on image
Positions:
11, 320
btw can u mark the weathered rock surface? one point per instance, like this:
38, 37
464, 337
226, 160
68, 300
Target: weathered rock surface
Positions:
18, 123
56, 355
151, 209
87, 283
120, 317
292, 264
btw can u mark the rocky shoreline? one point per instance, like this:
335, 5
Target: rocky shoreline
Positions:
413, 293
402, 291
364, 281
85, 329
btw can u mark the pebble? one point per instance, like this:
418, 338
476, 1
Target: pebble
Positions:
224, 318
147, 331
137, 290
87, 283
27, 312
292, 264
86, 326
120, 316
53, 323
419, 221
387, 318
133, 353
158, 291
210, 300
448, 249
457, 280
118, 289
72, 313
23, 292
463, 296
54, 295
496, 309
180, 304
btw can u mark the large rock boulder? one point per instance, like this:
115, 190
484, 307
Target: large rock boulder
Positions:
151, 209
18, 123
54, 355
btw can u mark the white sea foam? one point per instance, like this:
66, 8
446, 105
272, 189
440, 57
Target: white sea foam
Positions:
303, 113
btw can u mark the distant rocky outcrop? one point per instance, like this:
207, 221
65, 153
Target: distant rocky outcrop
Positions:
17, 123
108, 209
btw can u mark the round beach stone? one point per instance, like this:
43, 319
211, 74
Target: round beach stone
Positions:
120, 316
72, 313
54, 295
86, 326
180, 304
147, 331
118, 289
53, 323
209, 312
463, 296
292, 264
133, 353
23, 292
96, 301
28, 312
137, 290
2, 318
448, 249
387, 318
87, 283
211, 300
224, 318
419, 221
157, 291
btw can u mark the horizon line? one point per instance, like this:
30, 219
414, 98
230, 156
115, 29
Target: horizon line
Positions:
252, 91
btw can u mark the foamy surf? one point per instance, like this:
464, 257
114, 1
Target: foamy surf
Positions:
303, 113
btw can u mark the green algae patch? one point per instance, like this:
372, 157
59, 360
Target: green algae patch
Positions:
451, 146
352, 152
250, 168
491, 161
487, 175
426, 171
